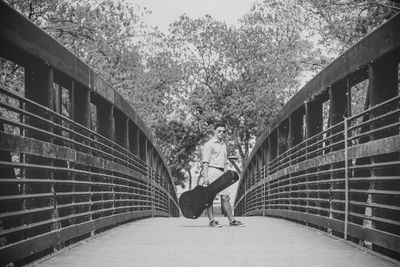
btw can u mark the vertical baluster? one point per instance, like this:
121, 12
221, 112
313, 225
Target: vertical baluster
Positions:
314, 119
294, 138
81, 114
346, 187
338, 96
264, 192
39, 88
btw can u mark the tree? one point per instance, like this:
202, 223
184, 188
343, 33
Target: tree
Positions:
179, 141
204, 70
109, 36
340, 24
241, 75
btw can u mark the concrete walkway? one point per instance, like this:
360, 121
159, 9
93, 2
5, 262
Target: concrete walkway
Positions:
181, 242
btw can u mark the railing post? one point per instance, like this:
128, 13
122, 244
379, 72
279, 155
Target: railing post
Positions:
245, 197
105, 119
296, 124
38, 88
152, 191
264, 184
283, 135
169, 200
52, 104
346, 173
339, 96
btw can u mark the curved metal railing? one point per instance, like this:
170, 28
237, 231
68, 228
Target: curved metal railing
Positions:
74, 157
341, 176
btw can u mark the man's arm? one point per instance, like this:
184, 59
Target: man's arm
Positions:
205, 173
206, 155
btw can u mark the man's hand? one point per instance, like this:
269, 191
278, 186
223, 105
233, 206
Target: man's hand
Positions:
205, 182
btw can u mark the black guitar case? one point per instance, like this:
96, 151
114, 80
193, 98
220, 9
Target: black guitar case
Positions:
193, 202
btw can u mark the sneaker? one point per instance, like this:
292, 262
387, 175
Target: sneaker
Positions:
214, 223
236, 223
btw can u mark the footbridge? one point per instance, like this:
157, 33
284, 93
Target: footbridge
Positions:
82, 182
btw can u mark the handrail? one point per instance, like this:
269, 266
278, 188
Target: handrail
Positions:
64, 177
343, 179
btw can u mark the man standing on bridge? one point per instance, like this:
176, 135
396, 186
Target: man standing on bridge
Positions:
214, 165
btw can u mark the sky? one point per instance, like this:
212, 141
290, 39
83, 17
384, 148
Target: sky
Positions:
165, 12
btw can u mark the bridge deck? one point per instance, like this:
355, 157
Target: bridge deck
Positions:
182, 242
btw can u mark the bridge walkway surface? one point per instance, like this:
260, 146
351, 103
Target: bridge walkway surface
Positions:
172, 242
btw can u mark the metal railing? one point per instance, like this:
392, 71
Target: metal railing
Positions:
343, 178
74, 157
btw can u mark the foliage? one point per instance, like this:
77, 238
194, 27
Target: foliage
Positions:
241, 75
11, 75
204, 70
109, 36
342, 23
179, 141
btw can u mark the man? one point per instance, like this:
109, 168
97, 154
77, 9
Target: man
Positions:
214, 165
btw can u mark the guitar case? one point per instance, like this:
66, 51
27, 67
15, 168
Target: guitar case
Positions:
193, 202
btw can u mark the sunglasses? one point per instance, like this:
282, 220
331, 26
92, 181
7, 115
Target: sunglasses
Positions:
221, 131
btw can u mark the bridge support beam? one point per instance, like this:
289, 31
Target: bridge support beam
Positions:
296, 127
383, 85
121, 128
82, 115
150, 163
142, 143
339, 94
283, 134
39, 87
295, 136
105, 120
81, 104
313, 110
313, 117
133, 139
383, 80
273, 145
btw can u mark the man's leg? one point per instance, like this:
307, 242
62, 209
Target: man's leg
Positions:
212, 175
213, 222
227, 207
210, 213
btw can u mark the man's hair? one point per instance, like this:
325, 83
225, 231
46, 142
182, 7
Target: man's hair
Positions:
219, 124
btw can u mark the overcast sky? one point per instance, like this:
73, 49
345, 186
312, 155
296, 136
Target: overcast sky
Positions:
165, 12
